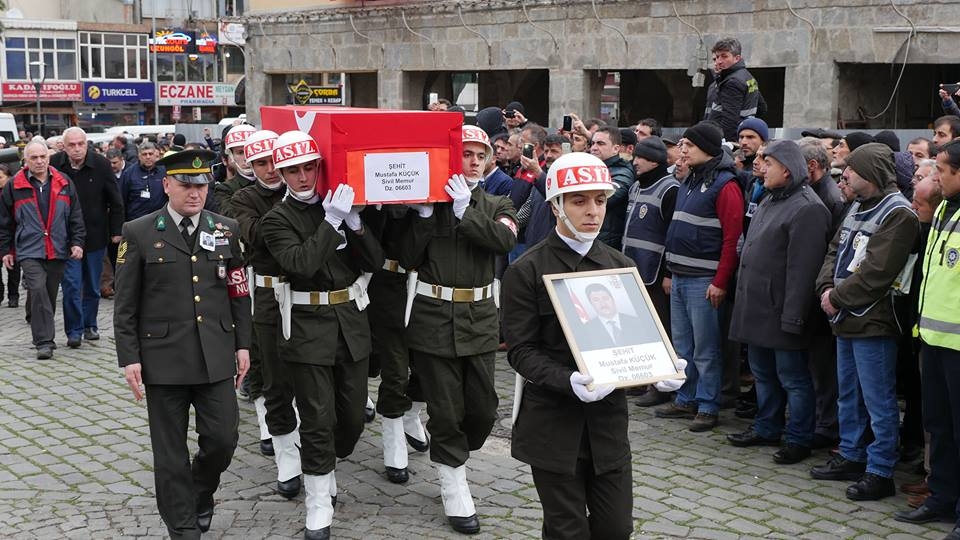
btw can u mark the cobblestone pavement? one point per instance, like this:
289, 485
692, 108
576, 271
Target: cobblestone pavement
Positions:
75, 462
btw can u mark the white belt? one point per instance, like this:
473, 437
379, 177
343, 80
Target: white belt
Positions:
452, 294
268, 282
322, 298
391, 265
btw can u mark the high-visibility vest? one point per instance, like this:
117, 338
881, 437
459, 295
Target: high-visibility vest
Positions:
939, 323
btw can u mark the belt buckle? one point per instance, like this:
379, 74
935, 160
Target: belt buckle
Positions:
339, 297
392, 266
314, 298
463, 295
268, 281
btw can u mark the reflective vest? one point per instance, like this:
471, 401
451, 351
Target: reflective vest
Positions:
694, 237
855, 233
645, 233
939, 323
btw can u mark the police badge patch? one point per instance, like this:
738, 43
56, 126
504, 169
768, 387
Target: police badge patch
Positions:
952, 256
642, 213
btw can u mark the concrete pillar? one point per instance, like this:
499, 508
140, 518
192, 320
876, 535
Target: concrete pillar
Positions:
390, 89
575, 90
810, 95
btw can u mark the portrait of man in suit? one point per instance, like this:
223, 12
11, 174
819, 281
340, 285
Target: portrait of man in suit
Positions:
612, 327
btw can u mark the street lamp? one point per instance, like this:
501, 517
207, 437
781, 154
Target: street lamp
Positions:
38, 85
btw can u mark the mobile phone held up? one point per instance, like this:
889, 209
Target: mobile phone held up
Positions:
528, 151
950, 88
567, 123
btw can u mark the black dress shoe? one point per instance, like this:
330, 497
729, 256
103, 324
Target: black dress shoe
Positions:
790, 454
289, 489
91, 335
871, 487
266, 447
397, 476
751, 438
839, 468
954, 534
204, 518
73, 342
317, 534
369, 413
465, 525
746, 411
44, 352
417, 444
922, 515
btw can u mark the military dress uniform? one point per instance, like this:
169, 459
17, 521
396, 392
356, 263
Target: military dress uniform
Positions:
224, 191
328, 347
579, 452
250, 205
182, 311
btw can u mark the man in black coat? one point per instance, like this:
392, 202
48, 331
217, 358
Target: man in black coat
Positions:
734, 94
606, 146
103, 217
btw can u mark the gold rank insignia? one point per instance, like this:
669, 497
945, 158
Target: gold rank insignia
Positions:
121, 252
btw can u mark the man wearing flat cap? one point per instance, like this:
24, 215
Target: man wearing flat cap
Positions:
182, 324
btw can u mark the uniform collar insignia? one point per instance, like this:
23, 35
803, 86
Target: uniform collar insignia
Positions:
161, 223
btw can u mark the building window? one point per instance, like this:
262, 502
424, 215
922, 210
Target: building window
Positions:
59, 56
188, 67
113, 56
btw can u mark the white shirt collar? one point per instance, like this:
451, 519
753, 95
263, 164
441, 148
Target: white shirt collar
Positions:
580, 247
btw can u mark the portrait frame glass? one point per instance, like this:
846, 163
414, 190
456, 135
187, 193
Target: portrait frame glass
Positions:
612, 327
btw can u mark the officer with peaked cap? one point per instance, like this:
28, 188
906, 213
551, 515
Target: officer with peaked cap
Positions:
327, 255
182, 325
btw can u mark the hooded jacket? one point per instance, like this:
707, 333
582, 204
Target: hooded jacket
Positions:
889, 247
781, 256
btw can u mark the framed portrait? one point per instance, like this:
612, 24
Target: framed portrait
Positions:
612, 327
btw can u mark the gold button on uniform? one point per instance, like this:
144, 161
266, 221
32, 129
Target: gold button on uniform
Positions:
199, 318
196, 299
193, 258
196, 279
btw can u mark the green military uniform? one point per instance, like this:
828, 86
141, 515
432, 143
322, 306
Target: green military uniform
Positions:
224, 191
250, 205
587, 442
329, 345
453, 344
388, 298
182, 310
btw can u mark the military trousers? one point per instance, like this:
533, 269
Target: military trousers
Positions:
330, 400
277, 380
566, 500
399, 384
461, 403
184, 488
254, 378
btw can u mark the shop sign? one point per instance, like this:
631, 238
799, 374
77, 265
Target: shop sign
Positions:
173, 41
207, 43
305, 94
196, 94
49, 91
117, 92
231, 33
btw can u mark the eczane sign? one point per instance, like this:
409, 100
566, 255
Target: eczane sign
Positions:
194, 94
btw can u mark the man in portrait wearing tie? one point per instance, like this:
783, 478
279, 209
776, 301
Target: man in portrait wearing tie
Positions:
611, 327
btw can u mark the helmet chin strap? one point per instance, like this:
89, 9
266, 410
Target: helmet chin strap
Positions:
577, 235
276, 186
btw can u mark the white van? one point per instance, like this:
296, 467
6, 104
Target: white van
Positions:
138, 131
8, 128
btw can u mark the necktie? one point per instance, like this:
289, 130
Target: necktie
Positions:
615, 332
185, 231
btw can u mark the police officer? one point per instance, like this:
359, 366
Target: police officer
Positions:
587, 466
275, 411
453, 327
399, 398
233, 144
182, 324
326, 335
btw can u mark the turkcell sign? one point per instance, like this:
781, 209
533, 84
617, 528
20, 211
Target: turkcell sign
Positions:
117, 92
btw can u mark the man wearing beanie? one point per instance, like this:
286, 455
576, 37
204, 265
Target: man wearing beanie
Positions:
751, 135
650, 205
701, 254
856, 288
781, 256
850, 142
628, 139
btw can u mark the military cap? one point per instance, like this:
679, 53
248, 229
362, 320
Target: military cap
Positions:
190, 166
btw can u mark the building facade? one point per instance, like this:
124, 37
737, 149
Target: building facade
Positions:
818, 62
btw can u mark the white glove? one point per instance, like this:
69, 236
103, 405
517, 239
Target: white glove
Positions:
579, 382
353, 218
337, 205
672, 385
459, 191
424, 210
